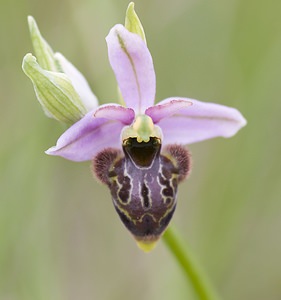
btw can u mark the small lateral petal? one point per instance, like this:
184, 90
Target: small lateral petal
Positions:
166, 109
199, 122
115, 112
132, 64
83, 140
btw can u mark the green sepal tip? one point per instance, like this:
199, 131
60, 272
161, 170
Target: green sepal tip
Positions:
133, 23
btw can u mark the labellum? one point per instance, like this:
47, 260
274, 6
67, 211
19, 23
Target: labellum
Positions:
143, 180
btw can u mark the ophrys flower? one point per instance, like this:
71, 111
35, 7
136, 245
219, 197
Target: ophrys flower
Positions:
138, 149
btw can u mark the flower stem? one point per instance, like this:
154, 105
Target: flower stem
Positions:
192, 270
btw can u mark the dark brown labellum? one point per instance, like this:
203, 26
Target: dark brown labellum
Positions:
143, 183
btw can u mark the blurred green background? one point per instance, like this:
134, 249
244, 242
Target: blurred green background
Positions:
60, 237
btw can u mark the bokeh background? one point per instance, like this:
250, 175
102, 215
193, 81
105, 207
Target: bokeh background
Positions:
60, 237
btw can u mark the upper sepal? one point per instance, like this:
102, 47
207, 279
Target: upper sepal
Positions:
132, 64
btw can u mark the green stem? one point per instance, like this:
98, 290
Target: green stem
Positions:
192, 270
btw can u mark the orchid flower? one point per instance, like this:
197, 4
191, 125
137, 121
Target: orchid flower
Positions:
139, 150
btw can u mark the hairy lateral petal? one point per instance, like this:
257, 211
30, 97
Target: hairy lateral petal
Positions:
79, 82
83, 140
132, 64
166, 109
115, 112
199, 122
